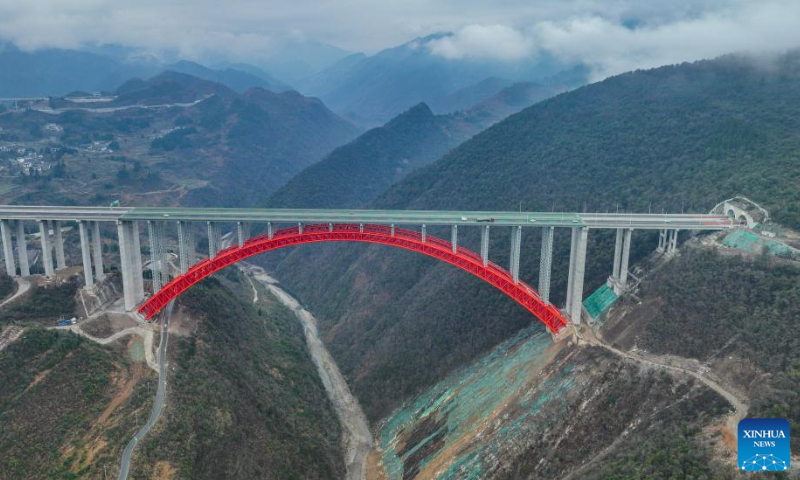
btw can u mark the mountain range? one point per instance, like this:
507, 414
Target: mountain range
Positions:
677, 138
57, 72
370, 90
353, 175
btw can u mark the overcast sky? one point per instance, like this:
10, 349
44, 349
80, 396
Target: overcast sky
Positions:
610, 35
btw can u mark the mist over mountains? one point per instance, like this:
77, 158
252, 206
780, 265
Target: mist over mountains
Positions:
366, 90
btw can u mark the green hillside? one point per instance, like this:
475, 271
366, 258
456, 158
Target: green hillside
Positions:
68, 406
354, 174
674, 138
245, 400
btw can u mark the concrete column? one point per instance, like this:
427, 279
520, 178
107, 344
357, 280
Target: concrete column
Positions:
212, 240
86, 255
126, 264
61, 261
485, 245
580, 270
137, 262
240, 233
300, 228
617, 255
662, 241
673, 242
183, 247
8, 248
423, 233
97, 251
516, 242
155, 256
393, 229
22, 249
192, 245
454, 237
571, 275
626, 254
360, 228
546, 263
270, 234
47, 254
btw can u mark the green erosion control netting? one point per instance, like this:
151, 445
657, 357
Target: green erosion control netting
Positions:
744, 240
503, 389
600, 300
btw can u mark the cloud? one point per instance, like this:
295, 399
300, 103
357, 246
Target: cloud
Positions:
496, 42
609, 35
611, 47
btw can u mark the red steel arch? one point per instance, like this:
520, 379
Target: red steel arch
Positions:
401, 238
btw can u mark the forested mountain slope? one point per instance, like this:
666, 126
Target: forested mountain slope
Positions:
355, 174
244, 398
677, 138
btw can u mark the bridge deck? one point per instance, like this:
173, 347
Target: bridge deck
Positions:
399, 217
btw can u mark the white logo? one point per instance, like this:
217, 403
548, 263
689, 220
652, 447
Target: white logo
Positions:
769, 463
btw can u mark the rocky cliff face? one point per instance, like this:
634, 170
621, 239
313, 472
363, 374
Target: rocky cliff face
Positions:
534, 409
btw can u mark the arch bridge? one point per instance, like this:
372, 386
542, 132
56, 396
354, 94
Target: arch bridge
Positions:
405, 229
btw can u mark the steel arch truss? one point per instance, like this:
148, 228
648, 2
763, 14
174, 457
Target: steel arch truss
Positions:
380, 234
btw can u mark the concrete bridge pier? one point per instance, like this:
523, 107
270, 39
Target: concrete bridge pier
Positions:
516, 242
97, 252
240, 233
662, 241
58, 240
546, 263
454, 237
672, 242
578, 271
212, 240
47, 253
156, 254
86, 255
137, 262
485, 245
573, 247
622, 252
125, 235
22, 249
626, 255
8, 248
617, 253
183, 246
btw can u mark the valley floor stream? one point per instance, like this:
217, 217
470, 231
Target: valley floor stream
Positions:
356, 437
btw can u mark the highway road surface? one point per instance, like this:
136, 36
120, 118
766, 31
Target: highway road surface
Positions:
158, 404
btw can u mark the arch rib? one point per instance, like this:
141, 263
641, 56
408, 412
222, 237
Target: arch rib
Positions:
434, 247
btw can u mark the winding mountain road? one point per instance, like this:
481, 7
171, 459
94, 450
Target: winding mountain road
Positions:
158, 404
23, 285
